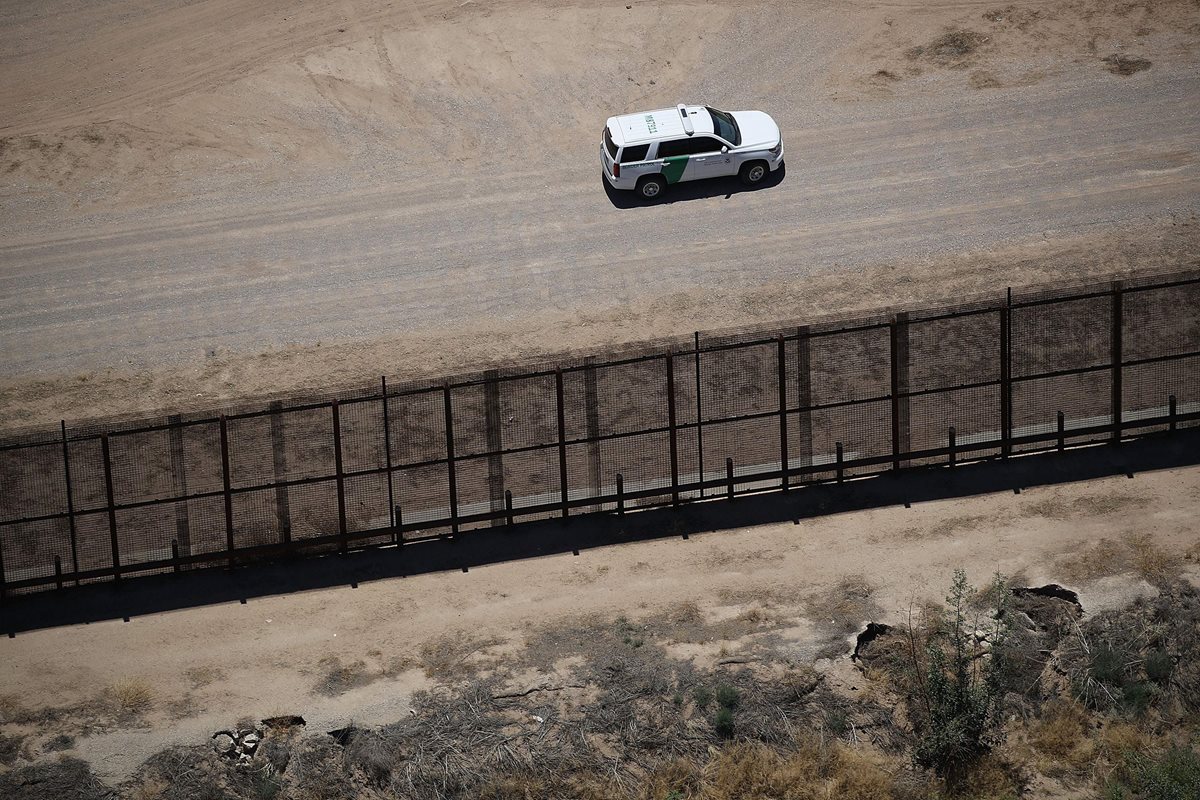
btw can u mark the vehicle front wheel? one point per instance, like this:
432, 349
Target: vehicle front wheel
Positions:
753, 173
651, 187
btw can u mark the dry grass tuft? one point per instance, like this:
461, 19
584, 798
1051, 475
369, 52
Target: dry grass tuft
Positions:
1119, 64
338, 678
952, 48
1061, 731
1136, 552
200, 677
814, 770
1150, 561
447, 658
844, 606
130, 697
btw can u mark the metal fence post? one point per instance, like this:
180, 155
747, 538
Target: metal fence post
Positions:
1061, 423
179, 486
175, 556
953, 446
1006, 376
226, 484
784, 461
620, 494
283, 503
1171, 410
112, 510
70, 501
1118, 357
841, 473
508, 509
58, 573
495, 444
591, 408
804, 399
453, 483
387, 454
339, 476
699, 419
562, 444
673, 431
729, 478
894, 330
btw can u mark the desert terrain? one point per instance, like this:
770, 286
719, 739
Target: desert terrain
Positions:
209, 200
203, 202
740, 604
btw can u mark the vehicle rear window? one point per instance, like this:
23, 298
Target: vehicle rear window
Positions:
608, 144
635, 153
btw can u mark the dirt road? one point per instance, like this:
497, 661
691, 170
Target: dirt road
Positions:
311, 174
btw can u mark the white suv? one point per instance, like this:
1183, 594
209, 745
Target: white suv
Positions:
649, 150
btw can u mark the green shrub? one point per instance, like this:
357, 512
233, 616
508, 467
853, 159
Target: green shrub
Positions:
1136, 697
1173, 776
727, 696
1159, 667
723, 723
1107, 665
958, 690
703, 696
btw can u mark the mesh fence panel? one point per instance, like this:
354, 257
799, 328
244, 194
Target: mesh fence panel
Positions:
33, 480
93, 541
87, 474
30, 549
145, 534
141, 466
256, 517
363, 443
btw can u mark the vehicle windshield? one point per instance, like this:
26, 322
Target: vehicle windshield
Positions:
725, 126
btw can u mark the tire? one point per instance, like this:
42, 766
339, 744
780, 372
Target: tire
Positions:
753, 173
651, 187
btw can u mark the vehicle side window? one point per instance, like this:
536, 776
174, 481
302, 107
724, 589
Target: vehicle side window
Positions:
688, 147
634, 154
703, 144
674, 147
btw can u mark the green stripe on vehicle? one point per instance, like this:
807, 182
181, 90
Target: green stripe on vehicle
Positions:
673, 168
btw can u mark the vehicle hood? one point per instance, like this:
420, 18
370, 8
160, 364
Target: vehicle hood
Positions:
757, 129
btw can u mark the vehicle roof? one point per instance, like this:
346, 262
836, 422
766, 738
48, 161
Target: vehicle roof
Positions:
662, 123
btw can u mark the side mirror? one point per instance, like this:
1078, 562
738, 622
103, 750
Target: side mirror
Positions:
724, 149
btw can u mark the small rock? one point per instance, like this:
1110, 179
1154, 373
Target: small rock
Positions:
223, 742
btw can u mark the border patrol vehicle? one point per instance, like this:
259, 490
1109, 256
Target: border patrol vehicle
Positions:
647, 151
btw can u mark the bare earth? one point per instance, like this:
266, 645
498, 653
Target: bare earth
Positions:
201, 201
208, 667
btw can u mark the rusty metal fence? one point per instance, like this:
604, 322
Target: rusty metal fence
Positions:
665, 423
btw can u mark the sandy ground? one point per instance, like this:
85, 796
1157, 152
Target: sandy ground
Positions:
201, 201
209, 666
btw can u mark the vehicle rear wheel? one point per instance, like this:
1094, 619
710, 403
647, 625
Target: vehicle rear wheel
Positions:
753, 173
651, 187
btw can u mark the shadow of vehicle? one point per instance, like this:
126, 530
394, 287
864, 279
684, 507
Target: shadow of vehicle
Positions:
693, 190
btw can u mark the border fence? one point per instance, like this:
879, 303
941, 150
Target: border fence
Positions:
661, 423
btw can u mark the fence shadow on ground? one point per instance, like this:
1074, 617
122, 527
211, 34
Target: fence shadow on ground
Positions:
156, 594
